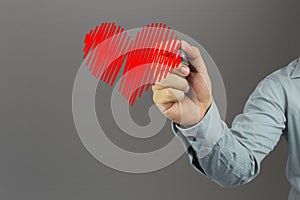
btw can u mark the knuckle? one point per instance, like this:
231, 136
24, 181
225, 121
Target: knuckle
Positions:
180, 96
152, 87
169, 94
196, 50
185, 83
154, 98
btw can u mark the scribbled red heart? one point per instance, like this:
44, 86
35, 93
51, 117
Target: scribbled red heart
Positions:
147, 58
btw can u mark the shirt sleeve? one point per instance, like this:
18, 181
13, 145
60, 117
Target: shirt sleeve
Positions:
232, 156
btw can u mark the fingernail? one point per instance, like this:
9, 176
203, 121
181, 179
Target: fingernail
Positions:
184, 69
188, 49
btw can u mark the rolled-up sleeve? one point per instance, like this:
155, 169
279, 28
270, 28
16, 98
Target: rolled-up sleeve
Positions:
232, 156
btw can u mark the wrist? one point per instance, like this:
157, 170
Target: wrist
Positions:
203, 109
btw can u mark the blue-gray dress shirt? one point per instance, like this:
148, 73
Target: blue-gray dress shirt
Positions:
232, 156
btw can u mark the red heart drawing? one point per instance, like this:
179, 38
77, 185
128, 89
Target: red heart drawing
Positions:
146, 59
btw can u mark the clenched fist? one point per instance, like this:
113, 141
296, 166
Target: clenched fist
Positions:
185, 95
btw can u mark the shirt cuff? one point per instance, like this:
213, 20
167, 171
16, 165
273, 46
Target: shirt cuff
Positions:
204, 135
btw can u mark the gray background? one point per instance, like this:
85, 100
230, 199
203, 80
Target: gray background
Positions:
41, 156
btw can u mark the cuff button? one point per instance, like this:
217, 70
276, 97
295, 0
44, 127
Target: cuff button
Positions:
191, 138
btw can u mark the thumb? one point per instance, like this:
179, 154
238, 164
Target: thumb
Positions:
194, 57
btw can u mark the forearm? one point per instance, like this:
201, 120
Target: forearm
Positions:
222, 159
229, 163
232, 156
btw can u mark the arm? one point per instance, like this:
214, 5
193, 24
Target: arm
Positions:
228, 156
232, 156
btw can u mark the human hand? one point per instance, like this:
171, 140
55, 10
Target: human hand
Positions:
185, 95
